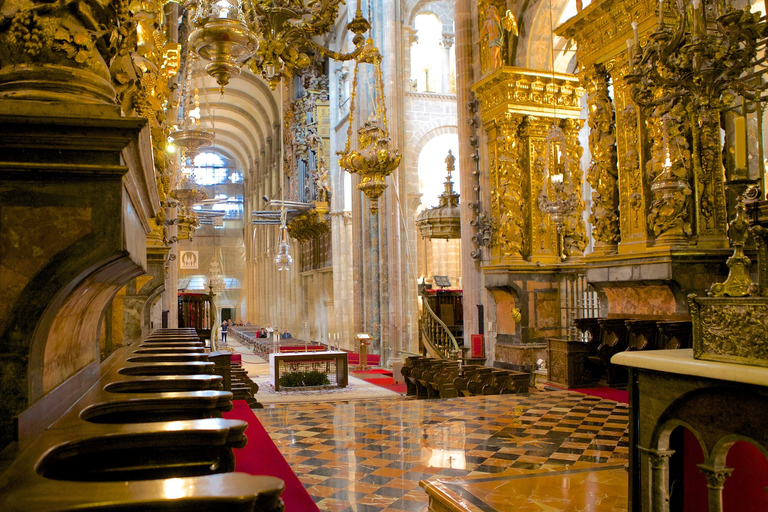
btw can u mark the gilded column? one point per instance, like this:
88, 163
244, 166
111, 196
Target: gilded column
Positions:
575, 234
671, 207
634, 190
540, 232
709, 179
508, 191
603, 171
518, 108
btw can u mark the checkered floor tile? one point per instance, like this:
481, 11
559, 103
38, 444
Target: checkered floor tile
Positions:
370, 455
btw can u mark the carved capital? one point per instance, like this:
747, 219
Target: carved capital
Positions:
715, 476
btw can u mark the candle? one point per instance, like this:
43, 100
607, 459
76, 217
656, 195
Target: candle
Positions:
661, 13
635, 34
629, 52
740, 127
696, 4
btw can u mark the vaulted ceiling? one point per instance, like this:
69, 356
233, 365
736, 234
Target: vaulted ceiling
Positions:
242, 118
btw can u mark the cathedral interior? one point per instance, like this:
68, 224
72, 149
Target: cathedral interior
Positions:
501, 204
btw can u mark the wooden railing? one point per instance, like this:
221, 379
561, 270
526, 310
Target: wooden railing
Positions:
438, 338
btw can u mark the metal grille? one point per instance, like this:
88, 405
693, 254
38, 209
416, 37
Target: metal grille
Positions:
581, 301
334, 366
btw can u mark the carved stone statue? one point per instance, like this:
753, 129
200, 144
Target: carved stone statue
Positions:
450, 162
322, 182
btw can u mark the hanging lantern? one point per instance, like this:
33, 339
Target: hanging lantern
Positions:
375, 159
283, 260
192, 136
223, 39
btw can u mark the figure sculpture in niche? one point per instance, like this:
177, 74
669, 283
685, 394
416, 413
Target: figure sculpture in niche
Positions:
493, 36
511, 33
322, 182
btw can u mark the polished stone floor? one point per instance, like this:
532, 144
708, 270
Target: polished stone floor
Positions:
369, 455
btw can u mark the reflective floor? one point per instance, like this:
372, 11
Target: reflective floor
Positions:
370, 455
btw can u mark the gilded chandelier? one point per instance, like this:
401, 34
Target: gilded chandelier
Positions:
272, 36
222, 38
375, 159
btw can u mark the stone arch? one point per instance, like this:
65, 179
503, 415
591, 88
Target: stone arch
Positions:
440, 8
710, 411
423, 135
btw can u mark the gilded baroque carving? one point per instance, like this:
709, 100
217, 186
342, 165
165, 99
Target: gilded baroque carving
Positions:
508, 197
575, 236
603, 171
632, 157
670, 170
307, 226
79, 34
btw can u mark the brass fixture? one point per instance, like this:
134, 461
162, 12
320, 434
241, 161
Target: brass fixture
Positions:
272, 36
375, 159
444, 220
223, 39
192, 136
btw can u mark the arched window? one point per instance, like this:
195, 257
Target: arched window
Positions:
432, 171
210, 169
432, 58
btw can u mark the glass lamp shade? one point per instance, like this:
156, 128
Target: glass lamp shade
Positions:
283, 260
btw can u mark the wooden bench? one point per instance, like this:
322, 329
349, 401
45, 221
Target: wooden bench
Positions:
607, 336
439, 378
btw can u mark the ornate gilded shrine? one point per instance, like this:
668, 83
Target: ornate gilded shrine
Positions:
519, 108
662, 81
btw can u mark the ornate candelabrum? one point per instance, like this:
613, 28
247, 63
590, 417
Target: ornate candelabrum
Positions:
558, 198
273, 36
192, 136
187, 195
222, 38
375, 159
694, 64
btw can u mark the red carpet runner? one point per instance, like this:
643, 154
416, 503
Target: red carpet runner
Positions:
261, 457
617, 395
380, 377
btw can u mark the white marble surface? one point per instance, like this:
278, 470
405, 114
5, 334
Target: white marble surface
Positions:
682, 362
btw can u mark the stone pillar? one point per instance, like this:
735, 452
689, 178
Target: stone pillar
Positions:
447, 44
715, 481
659, 460
470, 202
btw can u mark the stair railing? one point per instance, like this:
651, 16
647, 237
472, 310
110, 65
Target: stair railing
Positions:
438, 338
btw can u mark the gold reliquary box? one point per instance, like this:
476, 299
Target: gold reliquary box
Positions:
730, 329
